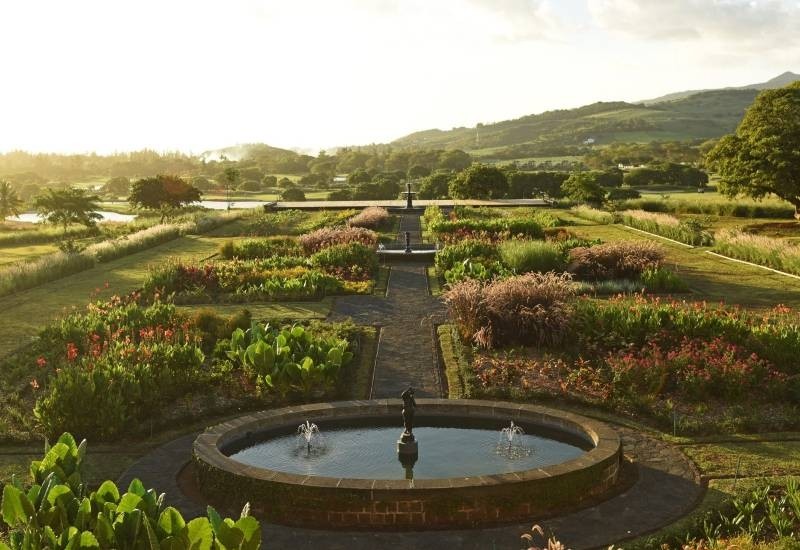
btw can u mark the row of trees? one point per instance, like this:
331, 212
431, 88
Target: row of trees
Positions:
64, 207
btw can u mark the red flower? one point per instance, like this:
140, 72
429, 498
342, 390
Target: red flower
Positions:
72, 352
41, 361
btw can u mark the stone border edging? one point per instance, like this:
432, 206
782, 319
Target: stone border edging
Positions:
396, 504
657, 236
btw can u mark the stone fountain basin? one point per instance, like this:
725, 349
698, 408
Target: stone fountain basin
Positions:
399, 504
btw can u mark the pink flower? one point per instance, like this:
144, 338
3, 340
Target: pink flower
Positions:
41, 361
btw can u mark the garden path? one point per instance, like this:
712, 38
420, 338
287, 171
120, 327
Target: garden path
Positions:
407, 316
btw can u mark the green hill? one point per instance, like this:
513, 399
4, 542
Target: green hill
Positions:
682, 116
700, 116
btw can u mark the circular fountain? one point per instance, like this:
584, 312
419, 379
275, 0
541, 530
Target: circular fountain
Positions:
479, 463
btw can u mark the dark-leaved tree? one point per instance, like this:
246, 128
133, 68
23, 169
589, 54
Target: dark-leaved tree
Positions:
164, 193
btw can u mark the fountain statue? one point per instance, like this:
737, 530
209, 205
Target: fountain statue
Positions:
408, 242
407, 445
309, 432
409, 195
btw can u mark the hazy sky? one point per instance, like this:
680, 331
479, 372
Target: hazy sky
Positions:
108, 75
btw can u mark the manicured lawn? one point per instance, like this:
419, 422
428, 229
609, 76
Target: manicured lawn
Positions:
12, 254
762, 458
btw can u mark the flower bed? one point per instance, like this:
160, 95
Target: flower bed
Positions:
134, 363
372, 217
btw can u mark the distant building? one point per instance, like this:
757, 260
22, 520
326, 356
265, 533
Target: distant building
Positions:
589, 141
339, 179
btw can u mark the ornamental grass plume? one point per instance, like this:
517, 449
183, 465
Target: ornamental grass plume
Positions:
616, 260
329, 236
528, 309
371, 217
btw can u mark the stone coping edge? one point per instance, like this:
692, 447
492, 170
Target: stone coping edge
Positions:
207, 448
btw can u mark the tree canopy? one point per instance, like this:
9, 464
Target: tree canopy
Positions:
10, 203
66, 206
162, 192
763, 155
479, 181
583, 187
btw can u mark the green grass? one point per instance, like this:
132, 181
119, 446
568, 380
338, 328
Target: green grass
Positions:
761, 458
13, 254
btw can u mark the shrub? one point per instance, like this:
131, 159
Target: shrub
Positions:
468, 249
617, 260
527, 309
371, 217
495, 229
352, 261
661, 280
328, 236
593, 214
618, 323
775, 253
526, 256
689, 232
289, 358
293, 194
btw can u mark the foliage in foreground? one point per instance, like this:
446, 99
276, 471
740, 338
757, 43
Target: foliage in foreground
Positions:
57, 512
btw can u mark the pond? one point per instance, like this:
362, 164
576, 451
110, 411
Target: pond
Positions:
33, 217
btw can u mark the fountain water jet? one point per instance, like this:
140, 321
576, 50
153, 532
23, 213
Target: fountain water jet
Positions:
309, 432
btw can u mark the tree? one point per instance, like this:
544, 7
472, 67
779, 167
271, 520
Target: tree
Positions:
479, 181
230, 176
435, 186
65, 206
583, 187
250, 185
117, 186
293, 194
164, 193
455, 159
359, 176
10, 203
763, 155
418, 171
202, 183
536, 184
269, 181
285, 183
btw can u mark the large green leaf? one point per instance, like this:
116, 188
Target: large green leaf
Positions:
171, 522
16, 507
129, 502
107, 492
137, 488
251, 532
104, 532
200, 534
84, 540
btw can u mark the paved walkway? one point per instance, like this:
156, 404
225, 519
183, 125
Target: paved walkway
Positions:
407, 317
417, 203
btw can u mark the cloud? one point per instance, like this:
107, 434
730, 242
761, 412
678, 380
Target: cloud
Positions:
732, 24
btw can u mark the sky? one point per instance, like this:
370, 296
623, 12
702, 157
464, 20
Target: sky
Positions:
195, 75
